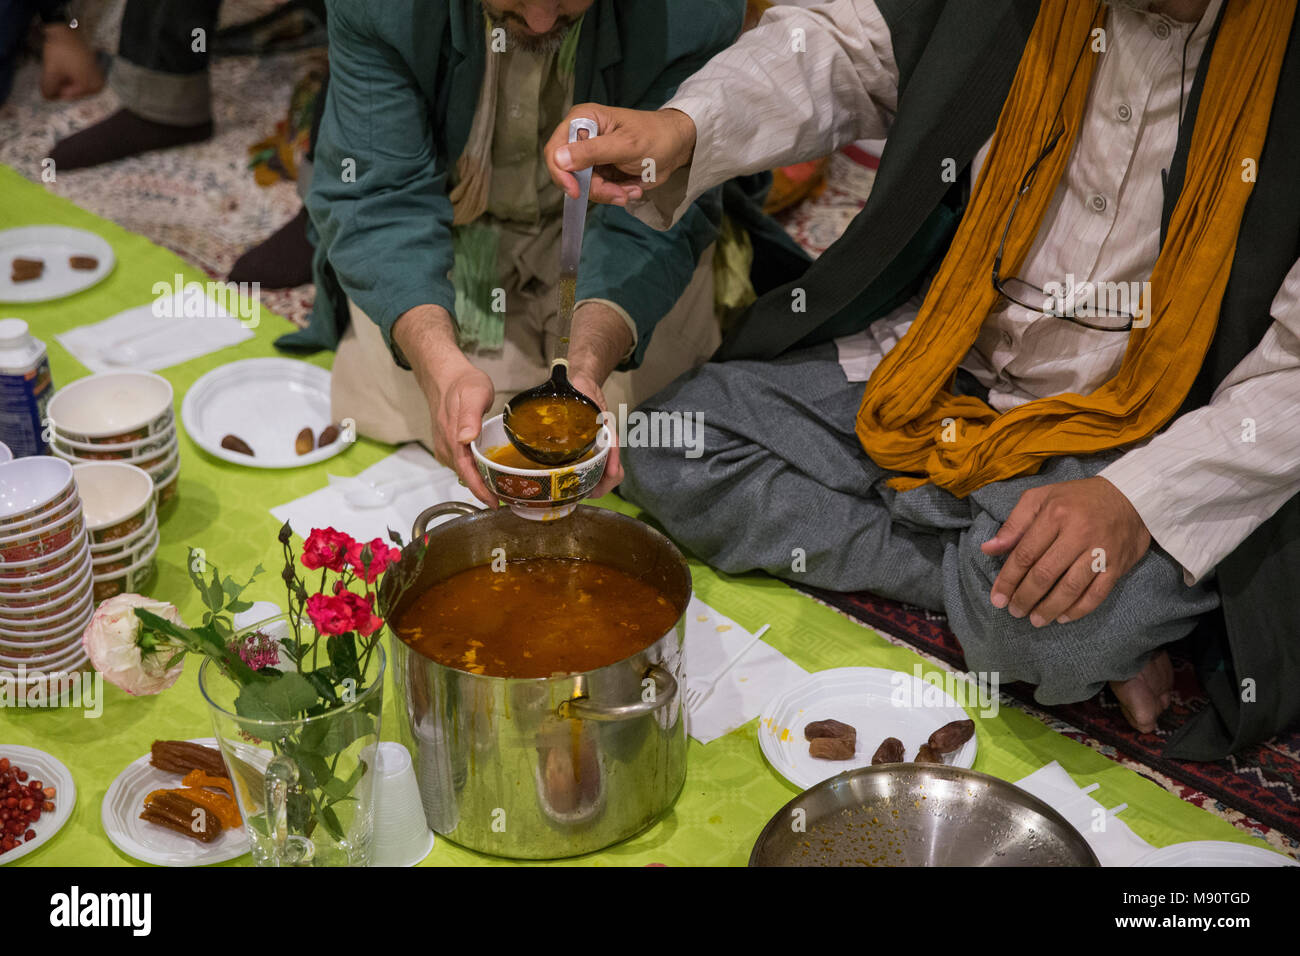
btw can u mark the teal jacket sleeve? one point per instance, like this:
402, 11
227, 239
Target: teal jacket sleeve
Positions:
624, 260
378, 195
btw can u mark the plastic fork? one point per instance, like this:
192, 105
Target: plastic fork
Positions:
695, 696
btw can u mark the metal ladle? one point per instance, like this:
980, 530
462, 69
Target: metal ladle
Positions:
558, 386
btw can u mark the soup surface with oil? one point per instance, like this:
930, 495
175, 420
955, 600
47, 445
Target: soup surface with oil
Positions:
536, 618
512, 457
556, 425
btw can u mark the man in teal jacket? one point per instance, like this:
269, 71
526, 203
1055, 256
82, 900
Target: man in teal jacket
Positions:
437, 226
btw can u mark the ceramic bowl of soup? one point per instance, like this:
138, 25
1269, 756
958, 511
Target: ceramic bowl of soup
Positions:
541, 672
532, 490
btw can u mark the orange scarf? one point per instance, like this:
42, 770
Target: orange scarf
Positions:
910, 421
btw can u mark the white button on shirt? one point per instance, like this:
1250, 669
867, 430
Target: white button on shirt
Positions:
1207, 481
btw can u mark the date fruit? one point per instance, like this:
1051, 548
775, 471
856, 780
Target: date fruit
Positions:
83, 263
927, 755
891, 751
328, 437
305, 442
25, 270
234, 443
829, 728
832, 748
951, 736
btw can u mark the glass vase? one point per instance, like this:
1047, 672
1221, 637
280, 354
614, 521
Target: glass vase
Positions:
305, 787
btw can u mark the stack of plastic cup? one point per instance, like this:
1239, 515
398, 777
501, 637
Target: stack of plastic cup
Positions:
402, 836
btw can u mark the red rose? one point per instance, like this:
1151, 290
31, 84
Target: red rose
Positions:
326, 548
330, 615
361, 610
381, 556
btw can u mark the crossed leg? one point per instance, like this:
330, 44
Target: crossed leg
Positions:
782, 474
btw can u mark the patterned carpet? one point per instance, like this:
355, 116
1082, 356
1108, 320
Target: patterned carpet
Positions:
199, 201
202, 203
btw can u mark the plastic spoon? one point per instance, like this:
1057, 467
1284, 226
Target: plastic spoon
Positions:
558, 387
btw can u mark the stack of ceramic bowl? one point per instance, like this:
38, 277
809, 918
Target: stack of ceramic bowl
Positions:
122, 519
119, 416
46, 595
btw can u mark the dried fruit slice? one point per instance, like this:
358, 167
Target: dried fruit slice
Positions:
832, 748
170, 809
890, 751
951, 736
181, 756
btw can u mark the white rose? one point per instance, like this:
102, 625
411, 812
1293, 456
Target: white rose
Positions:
111, 643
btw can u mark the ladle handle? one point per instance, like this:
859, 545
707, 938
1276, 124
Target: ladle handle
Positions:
665, 690
571, 232
421, 526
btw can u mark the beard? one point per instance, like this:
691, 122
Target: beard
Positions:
519, 34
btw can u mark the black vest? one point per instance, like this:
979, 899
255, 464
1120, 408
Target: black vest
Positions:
956, 62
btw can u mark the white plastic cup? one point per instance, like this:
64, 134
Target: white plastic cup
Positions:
402, 836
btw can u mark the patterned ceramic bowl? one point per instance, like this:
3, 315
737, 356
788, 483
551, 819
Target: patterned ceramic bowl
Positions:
67, 503
35, 613
16, 603
141, 449
168, 490
128, 542
40, 541
27, 651
541, 493
113, 408
62, 573
32, 489
127, 581
107, 564
67, 654
52, 627
117, 499
11, 571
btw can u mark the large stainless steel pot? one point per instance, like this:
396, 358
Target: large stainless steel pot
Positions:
549, 767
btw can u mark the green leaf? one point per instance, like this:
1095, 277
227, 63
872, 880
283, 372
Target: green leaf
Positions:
239, 607
215, 597
322, 680
329, 819
195, 576
201, 640
342, 649
279, 698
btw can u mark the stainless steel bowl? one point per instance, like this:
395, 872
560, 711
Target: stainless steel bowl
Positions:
904, 814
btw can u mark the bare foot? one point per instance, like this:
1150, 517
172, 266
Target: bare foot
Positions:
1145, 697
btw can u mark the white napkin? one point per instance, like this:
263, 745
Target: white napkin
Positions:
711, 641
1110, 838
158, 342
327, 508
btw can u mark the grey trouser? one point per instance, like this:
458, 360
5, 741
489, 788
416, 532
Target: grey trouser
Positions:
784, 486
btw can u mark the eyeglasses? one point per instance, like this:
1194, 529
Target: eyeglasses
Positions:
1018, 290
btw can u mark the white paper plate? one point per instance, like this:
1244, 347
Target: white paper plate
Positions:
51, 773
54, 244
877, 703
266, 402
1213, 853
149, 842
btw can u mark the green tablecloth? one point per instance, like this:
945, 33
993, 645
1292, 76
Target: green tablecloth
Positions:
730, 791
